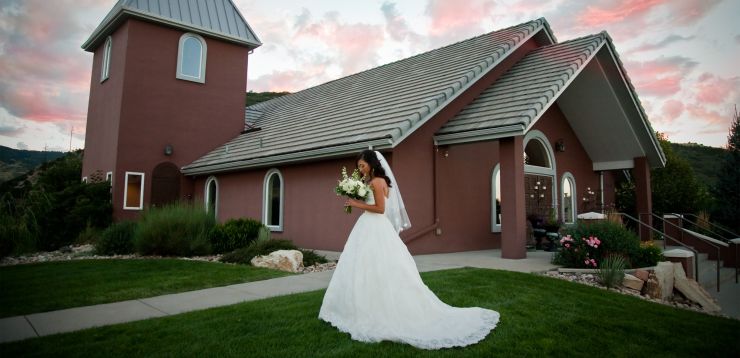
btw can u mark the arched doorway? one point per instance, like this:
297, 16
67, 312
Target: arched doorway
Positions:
165, 184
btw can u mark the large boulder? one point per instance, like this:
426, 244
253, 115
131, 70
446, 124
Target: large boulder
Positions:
664, 275
632, 282
283, 260
642, 274
692, 290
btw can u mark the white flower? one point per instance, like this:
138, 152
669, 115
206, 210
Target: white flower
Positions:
362, 191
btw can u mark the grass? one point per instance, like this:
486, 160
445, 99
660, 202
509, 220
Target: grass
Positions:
541, 317
51, 286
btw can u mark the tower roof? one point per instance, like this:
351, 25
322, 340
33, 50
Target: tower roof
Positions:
214, 18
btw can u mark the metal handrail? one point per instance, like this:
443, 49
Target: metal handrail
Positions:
719, 253
732, 234
696, 253
728, 241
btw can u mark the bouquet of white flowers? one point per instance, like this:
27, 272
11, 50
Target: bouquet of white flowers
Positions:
352, 187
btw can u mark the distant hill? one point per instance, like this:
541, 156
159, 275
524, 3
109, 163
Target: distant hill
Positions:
15, 162
257, 97
706, 161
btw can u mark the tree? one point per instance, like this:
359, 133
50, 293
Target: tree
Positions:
675, 188
727, 210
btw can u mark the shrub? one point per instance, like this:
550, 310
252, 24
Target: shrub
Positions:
611, 270
265, 247
234, 234
614, 239
310, 257
16, 237
118, 239
174, 230
90, 235
647, 255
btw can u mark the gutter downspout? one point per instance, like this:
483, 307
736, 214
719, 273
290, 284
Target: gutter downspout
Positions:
435, 225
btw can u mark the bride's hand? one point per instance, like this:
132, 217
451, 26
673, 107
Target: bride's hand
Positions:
351, 202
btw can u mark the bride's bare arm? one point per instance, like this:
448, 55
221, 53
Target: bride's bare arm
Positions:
378, 186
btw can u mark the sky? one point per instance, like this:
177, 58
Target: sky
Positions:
681, 55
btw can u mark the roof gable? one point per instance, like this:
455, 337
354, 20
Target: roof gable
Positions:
215, 18
601, 103
378, 107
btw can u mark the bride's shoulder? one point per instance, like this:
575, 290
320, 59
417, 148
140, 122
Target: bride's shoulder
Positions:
378, 182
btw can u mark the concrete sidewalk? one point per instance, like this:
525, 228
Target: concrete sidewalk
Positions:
73, 319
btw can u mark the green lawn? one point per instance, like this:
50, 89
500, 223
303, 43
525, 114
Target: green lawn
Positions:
541, 317
51, 286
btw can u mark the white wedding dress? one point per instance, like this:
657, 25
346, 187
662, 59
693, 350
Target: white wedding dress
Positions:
376, 294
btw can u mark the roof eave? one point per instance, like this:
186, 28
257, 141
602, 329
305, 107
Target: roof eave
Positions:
480, 135
658, 156
112, 22
287, 158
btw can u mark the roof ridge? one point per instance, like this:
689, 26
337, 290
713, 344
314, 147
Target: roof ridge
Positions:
539, 22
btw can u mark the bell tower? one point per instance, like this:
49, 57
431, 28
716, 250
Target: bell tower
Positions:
168, 85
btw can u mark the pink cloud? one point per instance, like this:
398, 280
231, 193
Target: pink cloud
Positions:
452, 21
715, 90
705, 116
614, 12
356, 43
45, 75
628, 19
672, 109
662, 77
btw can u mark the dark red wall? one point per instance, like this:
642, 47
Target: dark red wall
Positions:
574, 160
104, 107
157, 109
313, 214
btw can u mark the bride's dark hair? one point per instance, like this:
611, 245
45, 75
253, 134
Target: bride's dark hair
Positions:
376, 169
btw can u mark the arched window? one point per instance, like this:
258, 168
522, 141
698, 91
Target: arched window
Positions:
211, 196
568, 198
191, 58
105, 67
272, 208
496, 199
539, 160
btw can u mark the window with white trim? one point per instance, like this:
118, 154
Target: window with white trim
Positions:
272, 208
568, 198
191, 58
105, 68
496, 199
133, 191
109, 177
539, 159
211, 196
84, 180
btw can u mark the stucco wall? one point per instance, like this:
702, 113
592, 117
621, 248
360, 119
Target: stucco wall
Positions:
104, 107
157, 109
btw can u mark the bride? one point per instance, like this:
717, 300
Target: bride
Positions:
376, 292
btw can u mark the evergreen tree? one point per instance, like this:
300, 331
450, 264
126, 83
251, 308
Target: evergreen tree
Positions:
728, 187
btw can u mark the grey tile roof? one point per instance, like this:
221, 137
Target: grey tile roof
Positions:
517, 99
215, 18
377, 107
522, 94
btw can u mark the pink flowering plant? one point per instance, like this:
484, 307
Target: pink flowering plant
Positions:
578, 253
586, 245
